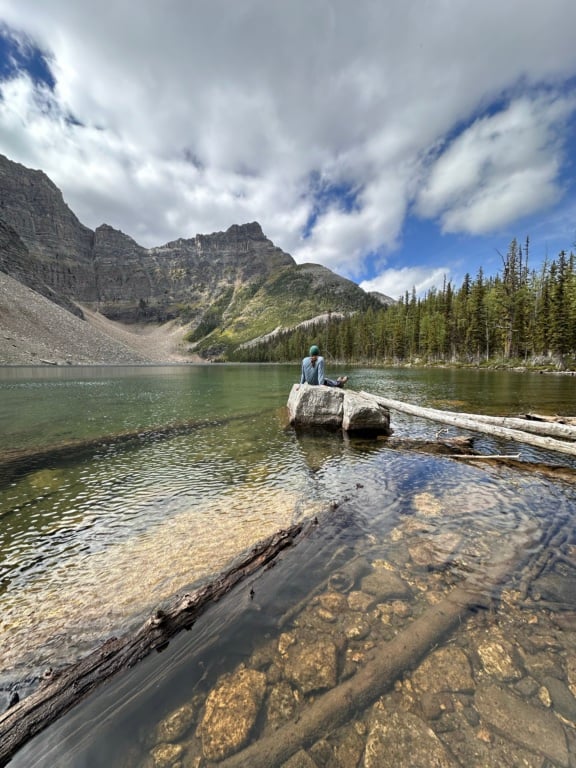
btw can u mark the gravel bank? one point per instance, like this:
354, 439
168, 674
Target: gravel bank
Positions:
33, 331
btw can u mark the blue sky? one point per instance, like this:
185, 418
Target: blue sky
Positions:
397, 143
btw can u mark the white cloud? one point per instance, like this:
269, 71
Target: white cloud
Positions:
192, 116
396, 282
503, 167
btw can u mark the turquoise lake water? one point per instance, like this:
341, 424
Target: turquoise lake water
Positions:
138, 483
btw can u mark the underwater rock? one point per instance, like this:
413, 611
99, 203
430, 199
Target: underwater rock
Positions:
434, 705
561, 697
313, 666
282, 704
335, 602
177, 723
164, 755
402, 740
555, 589
300, 760
427, 504
231, 711
446, 669
360, 601
497, 657
349, 744
322, 753
532, 727
540, 665
571, 673
356, 627
285, 641
436, 551
385, 585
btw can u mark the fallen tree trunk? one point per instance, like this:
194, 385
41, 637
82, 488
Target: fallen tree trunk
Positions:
62, 691
550, 428
569, 420
404, 652
466, 421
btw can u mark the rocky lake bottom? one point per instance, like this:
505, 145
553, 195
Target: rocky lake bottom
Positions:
433, 645
497, 691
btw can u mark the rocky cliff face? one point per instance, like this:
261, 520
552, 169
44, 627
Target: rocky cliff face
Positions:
59, 246
109, 271
17, 261
135, 283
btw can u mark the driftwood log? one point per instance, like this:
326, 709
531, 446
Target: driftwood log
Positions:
63, 690
471, 422
401, 654
550, 428
571, 420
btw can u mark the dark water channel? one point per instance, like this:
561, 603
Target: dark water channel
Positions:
428, 619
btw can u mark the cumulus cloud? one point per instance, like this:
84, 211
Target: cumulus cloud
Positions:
503, 167
395, 282
189, 116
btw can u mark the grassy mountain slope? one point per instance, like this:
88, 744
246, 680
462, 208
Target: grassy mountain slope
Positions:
291, 296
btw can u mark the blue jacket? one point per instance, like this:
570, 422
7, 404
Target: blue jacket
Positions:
313, 374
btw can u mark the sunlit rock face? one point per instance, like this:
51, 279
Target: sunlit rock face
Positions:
228, 289
58, 246
136, 283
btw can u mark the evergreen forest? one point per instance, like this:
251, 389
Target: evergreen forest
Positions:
522, 316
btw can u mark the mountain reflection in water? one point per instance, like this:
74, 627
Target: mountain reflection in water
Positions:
397, 533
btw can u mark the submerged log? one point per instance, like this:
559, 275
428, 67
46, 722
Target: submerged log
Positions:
461, 448
401, 654
467, 421
17, 462
61, 691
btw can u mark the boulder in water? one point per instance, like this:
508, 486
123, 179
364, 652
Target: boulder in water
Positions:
334, 408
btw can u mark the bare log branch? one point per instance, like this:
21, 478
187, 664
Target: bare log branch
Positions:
477, 456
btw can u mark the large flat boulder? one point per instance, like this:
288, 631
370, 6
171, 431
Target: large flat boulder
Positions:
333, 408
319, 406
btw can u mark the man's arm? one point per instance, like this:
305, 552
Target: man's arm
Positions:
320, 364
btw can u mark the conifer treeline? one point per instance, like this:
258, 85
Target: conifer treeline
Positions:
521, 314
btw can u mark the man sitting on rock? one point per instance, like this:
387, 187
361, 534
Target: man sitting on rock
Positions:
313, 370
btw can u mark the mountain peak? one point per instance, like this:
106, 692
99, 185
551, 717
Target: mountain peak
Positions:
252, 230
